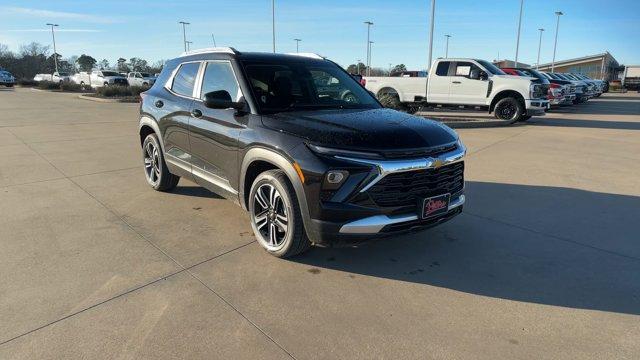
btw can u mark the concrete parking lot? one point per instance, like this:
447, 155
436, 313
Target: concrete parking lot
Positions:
544, 263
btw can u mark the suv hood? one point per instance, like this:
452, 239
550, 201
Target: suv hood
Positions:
367, 130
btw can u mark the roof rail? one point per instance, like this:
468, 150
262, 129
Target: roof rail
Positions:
228, 50
308, 55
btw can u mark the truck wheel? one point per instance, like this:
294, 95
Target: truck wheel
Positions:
391, 101
508, 109
276, 218
155, 168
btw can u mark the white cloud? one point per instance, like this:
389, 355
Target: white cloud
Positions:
48, 14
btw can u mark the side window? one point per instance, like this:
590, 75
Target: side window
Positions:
219, 76
185, 79
465, 68
443, 68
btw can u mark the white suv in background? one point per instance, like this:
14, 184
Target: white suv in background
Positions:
100, 78
140, 79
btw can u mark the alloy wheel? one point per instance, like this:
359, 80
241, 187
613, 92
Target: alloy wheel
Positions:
270, 216
152, 163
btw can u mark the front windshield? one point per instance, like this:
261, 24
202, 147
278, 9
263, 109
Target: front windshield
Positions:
290, 86
491, 68
110, 73
146, 75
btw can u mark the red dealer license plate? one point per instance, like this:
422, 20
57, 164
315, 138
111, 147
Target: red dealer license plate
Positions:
435, 205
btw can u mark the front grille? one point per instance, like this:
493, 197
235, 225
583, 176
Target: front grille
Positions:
424, 152
572, 89
540, 91
406, 188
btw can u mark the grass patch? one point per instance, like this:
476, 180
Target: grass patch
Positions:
124, 93
48, 85
27, 82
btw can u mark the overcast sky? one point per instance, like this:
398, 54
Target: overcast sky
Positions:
483, 29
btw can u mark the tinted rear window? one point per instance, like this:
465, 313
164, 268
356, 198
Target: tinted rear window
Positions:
185, 79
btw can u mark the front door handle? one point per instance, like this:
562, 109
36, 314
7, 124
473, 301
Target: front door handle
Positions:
196, 113
456, 82
159, 104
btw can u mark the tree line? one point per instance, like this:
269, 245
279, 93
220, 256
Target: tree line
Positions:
361, 69
35, 58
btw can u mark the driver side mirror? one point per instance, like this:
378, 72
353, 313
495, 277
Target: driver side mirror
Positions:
222, 100
477, 74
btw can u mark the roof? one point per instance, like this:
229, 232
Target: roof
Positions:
580, 60
231, 52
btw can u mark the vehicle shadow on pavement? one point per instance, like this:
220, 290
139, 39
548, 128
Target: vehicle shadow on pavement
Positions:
630, 106
593, 124
196, 191
544, 245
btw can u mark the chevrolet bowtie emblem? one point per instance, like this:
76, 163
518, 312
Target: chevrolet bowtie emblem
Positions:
437, 163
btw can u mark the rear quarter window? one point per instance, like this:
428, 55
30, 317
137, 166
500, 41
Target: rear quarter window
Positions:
443, 68
185, 79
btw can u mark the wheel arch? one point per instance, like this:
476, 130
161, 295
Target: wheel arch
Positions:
504, 94
148, 126
260, 159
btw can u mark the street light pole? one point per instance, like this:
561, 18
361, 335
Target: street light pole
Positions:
555, 44
519, 26
433, 13
273, 23
189, 45
297, 44
539, 46
184, 33
55, 52
358, 66
214, 40
446, 51
368, 63
370, 56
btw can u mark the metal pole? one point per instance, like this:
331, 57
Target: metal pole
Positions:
184, 33
433, 12
368, 63
370, 57
539, 46
55, 52
358, 66
297, 45
446, 51
555, 44
273, 23
214, 40
519, 26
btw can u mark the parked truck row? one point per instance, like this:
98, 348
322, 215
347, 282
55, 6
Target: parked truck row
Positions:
511, 94
100, 78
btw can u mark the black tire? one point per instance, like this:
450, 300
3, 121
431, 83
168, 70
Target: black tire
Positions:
155, 168
391, 101
265, 220
508, 109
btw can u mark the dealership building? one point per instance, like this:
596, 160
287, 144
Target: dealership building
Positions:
600, 66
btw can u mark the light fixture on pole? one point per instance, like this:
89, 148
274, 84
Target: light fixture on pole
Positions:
446, 49
518, 36
555, 44
184, 33
214, 40
55, 52
539, 46
368, 63
273, 24
297, 44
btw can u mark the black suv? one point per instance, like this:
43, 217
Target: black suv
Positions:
301, 145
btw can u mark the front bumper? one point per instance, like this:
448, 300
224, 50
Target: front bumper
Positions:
347, 223
536, 106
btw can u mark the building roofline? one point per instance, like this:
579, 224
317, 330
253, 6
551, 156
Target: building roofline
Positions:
568, 61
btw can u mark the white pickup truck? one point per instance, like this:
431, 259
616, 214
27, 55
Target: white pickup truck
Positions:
469, 83
140, 79
57, 77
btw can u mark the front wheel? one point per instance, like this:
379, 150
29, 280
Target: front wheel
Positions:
276, 218
508, 109
155, 168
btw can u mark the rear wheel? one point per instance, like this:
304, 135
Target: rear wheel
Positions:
155, 168
391, 101
276, 218
508, 109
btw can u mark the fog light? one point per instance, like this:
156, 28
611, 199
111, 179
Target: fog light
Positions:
334, 178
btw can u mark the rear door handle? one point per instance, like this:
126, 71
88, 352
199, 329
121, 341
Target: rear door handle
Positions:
196, 113
159, 103
456, 82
